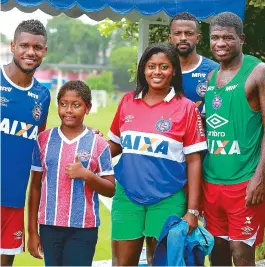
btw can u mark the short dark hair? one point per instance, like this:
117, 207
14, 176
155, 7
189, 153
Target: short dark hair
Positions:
32, 26
228, 19
79, 87
170, 51
186, 16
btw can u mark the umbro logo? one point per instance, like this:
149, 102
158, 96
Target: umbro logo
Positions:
216, 121
18, 235
129, 118
3, 101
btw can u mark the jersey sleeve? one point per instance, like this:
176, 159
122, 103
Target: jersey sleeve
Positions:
194, 138
104, 164
36, 162
114, 132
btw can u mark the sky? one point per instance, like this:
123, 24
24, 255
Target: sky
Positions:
9, 20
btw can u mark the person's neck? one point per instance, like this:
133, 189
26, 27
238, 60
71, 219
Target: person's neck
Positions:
158, 93
154, 96
72, 132
233, 64
17, 76
190, 61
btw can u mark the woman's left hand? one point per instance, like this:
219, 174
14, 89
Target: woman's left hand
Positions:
191, 220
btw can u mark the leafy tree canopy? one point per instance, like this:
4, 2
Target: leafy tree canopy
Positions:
103, 81
72, 41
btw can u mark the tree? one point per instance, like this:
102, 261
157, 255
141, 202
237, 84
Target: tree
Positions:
257, 3
72, 41
4, 39
253, 28
103, 81
122, 59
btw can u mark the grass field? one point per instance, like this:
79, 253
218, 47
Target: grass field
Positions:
101, 121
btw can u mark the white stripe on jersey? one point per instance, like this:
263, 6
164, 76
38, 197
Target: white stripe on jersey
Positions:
36, 169
46, 184
114, 138
151, 144
71, 193
93, 207
84, 214
195, 148
106, 173
57, 181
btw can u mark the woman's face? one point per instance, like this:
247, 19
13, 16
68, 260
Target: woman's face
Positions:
159, 71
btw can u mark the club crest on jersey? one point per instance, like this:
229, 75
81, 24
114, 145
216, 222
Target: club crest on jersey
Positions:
163, 125
201, 89
36, 112
83, 155
217, 102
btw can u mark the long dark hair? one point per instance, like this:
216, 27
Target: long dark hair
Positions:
170, 51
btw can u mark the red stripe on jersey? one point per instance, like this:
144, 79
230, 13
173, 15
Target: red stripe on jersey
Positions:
90, 218
43, 145
67, 155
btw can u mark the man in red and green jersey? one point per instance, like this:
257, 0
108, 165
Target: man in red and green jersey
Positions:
234, 168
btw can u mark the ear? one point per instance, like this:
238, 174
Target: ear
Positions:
12, 47
88, 108
242, 38
199, 37
169, 38
45, 51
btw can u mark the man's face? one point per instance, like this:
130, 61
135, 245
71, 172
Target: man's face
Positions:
28, 51
225, 43
184, 36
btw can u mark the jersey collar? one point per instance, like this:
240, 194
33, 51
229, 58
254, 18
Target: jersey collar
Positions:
167, 98
15, 85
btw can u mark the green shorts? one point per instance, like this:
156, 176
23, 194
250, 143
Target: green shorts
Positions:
132, 221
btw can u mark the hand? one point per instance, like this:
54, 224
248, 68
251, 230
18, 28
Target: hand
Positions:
255, 192
191, 220
95, 131
76, 169
34, 246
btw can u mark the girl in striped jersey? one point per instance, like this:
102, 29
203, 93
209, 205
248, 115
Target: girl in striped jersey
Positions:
70, 166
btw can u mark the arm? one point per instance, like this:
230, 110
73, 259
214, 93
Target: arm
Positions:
256, 187
203, 110
104, 186
34, 245
115, 148
194, 173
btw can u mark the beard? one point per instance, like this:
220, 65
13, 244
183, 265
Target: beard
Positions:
26, 71
185, 52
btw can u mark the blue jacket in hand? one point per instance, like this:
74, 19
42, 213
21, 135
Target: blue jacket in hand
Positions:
176, 248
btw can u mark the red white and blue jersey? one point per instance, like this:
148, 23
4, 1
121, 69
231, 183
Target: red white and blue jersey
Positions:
155, 140
64, 201
195, 80
23, 112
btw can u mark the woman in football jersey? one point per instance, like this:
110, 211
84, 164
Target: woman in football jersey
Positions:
159, 134
71, 166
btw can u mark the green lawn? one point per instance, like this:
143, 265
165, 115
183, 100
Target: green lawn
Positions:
101, 121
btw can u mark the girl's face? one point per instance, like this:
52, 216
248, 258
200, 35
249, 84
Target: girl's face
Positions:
159, 71
72, 109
